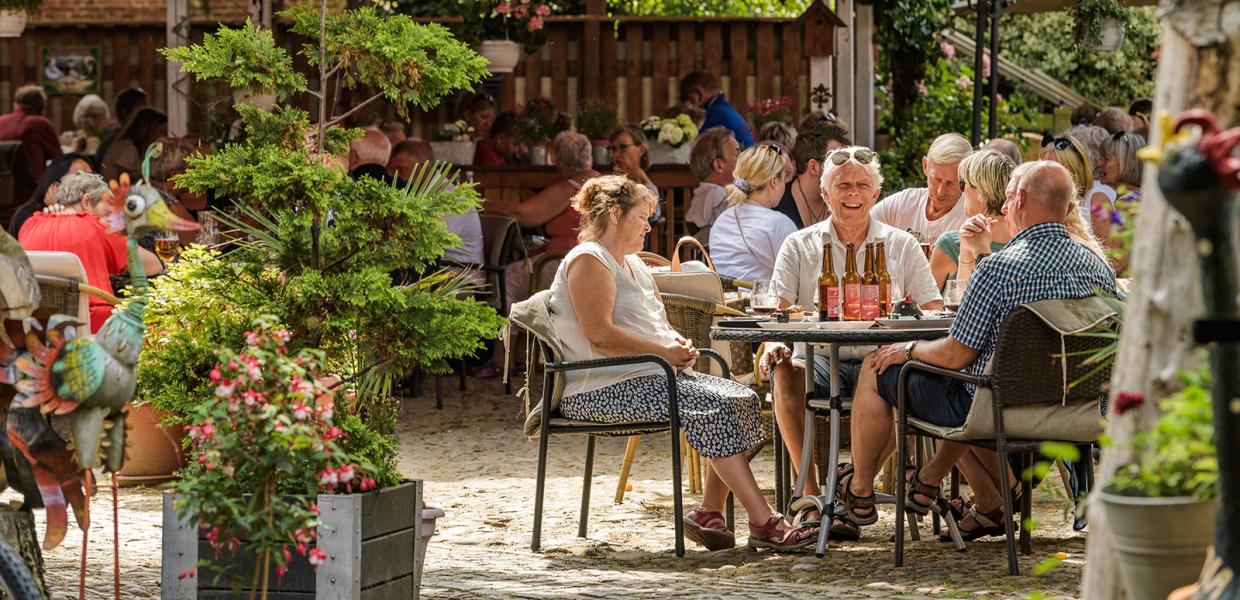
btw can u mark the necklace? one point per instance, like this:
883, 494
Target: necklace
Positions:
808, 208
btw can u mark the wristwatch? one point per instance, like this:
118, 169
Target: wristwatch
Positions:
908, 349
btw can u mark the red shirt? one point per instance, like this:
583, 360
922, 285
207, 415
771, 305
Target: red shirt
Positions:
103, 254
485, 154
37, 135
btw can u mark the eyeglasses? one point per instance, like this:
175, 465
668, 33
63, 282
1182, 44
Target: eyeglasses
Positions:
841, 156
1062, 143
619, 147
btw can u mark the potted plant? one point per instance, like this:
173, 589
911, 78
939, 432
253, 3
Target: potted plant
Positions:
595, 120
538, 122
316, 250
671, 139
503, 28
768, 110
14, 14
1171, 480
454, 143
1098, 24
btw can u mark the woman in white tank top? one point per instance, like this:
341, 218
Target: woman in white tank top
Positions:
604, 303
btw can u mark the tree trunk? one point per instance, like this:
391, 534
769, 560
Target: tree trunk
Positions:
1196, 69
17, 528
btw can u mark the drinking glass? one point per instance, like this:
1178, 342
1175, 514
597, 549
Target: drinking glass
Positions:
762, 300
167, 245
952, 294
208, 230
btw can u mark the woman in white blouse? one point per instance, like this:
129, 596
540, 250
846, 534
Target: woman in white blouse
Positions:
746, 237
604, 303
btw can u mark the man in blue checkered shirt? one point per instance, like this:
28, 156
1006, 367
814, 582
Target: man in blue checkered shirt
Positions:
1041, 262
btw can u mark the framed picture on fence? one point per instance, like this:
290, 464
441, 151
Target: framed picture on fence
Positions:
70, 70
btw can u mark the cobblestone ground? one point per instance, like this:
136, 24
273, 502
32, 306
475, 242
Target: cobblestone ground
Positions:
480, 470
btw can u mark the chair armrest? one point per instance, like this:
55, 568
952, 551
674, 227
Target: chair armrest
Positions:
917, 365
723, 364
500, 269
614, 361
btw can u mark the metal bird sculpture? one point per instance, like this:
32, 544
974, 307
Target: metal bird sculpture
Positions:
1200, 177
84, 382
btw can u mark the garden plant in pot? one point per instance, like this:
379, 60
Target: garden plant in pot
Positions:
454, 143
14, 14
501, 29
317, 251
1170, 481
768, 110
595, 120
671, 139
1098, 25
538, 122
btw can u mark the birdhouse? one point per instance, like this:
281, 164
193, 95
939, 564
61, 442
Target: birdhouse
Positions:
818, 24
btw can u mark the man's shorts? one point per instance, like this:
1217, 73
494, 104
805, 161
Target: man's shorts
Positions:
931, 397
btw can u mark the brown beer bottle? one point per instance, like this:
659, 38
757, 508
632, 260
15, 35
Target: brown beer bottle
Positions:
828, 288
869, 287
884, 282
852, 286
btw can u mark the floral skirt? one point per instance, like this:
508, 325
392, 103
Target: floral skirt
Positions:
720, 417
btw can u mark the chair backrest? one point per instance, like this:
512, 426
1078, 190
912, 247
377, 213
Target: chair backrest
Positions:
16, 180
542, 273
534, 316
501, 239
1036, 363
59, 275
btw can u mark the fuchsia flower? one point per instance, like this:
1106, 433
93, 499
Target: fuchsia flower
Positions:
948, 50
1126, 401
316, 557
543, 10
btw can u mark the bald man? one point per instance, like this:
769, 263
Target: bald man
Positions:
368, 156
408, 154
1040, 263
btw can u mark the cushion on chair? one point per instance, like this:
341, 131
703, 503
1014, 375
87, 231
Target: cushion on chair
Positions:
534, 316
629, 428
1075, 422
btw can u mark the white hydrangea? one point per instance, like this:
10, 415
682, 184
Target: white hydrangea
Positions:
670, 134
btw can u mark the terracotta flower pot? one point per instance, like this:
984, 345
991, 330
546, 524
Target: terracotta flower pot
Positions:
155, 453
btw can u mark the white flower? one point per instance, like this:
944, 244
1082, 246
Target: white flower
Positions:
670, 134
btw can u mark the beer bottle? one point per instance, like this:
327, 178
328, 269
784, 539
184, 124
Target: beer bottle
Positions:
884, 282
828, 288
852, 286
869, 287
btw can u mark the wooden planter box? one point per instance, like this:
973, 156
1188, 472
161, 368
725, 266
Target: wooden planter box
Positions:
371, 539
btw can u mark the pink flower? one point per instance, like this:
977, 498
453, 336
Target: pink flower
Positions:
521, 12
224, 391
316, 557
964, 82
542, 10
503, 9
215, 374
921, 87
1126, 401
535, 24
948, 50
985, 65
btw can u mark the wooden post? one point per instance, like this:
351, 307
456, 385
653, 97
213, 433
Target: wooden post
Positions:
1196, 69
819, 27
845, 67
260, 13
591, 50
863, 55
176, 35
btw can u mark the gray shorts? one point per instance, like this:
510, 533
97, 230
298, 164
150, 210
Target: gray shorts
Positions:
848, 369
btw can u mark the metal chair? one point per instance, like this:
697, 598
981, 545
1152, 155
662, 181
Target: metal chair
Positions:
501, 245
1031, 392
533, 315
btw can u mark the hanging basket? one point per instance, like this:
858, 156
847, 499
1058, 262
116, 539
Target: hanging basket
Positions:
1111, 37
502, 54
12, 23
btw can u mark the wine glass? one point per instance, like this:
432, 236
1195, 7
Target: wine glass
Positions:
762, 300
208, 230
952, 294
167, 245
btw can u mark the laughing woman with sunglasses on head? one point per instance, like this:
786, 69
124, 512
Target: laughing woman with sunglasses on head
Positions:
747, 235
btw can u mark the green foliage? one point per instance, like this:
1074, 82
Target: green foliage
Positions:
943, 106
248, 58
596, 119
197, 306
519, 21
709, 8
362, 442
1088, 17
1044, 41
1176, 457
909, 34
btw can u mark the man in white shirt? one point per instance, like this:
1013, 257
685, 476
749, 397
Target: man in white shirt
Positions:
851, 183
712, 161
935, 209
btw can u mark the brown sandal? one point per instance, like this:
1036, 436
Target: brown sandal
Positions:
917, 487
708, 528
852, 502
769, 535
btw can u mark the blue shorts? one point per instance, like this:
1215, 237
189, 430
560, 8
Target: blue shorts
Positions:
933, 398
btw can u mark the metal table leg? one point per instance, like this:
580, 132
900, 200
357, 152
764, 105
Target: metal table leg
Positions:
833, 353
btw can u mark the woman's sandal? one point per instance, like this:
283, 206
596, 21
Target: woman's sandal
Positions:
770, 536
988, 524
917, 487
708, 528
853, 502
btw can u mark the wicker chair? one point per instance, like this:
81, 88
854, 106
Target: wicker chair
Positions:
538, 273
544, 420
1032, 392
62, 283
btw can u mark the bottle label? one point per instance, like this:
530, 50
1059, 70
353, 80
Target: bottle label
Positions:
852, 301
869, 302
832, 306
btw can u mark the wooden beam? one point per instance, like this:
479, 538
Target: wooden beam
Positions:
177, 82
863, 58
845, 71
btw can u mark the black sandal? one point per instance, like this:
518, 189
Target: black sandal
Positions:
852, 502
988, 524
917, 487
844, 530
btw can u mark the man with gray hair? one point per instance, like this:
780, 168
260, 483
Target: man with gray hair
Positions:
1040, 263
851, 183
72, 225
712, 161
27, 125
935, 209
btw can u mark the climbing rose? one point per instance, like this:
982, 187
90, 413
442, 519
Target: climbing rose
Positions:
948, 50
964, 82
535, 24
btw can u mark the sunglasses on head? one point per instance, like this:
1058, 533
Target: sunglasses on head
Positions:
1118, 135
841, 156
772, 146
1061, 143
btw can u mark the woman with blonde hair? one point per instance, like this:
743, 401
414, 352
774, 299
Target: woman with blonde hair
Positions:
1074, 156
604, 303
985, 175
746, 236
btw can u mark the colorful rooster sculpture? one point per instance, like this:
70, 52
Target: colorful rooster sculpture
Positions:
55, 378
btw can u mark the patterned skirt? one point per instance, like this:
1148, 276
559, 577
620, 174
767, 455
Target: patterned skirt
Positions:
720, 417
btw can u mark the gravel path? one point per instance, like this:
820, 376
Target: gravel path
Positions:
480, 470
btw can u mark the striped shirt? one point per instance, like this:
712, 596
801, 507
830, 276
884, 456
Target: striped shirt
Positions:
1040, 263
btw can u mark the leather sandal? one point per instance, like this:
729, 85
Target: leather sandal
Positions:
844, 530
988, 524
917, 487
709, 528
770, 536
853, 502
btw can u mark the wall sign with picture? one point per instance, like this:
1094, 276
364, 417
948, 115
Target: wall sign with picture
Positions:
70, 69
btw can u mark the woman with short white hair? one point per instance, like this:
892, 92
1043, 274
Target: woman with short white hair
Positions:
93, 120
746, 237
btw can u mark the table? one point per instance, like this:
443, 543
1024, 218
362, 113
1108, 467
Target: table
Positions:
833, 339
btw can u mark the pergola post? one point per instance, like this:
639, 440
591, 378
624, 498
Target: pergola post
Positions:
863, 41
176, 29
819, 27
